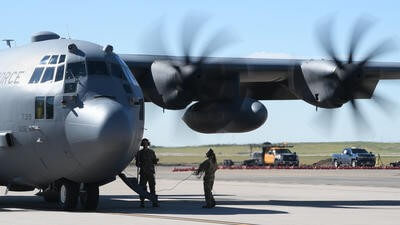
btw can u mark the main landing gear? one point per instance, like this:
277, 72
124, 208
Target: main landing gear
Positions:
66, 193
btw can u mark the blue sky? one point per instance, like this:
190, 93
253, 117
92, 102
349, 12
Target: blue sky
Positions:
263, 28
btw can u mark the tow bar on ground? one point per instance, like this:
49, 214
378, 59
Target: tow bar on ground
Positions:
133, 184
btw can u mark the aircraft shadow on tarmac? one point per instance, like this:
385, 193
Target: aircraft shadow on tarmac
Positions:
126, 204
186, 205
175, 204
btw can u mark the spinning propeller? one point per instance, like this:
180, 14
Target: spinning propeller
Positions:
185, 77
349, 75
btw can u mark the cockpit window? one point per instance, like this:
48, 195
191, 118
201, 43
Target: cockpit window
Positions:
37, 73
97, 67
62, 59
60, 73
75, 70
53, 59
44, 60
48, 74
116, 70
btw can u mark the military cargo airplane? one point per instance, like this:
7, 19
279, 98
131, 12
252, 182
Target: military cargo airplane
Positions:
72, 112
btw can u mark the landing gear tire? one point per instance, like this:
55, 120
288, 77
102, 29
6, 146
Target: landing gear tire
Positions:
89, 197
335, 164
68, 195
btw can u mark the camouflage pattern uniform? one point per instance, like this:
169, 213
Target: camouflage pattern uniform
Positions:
208, 167
145, 160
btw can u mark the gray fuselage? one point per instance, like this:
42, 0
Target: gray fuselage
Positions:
81, 119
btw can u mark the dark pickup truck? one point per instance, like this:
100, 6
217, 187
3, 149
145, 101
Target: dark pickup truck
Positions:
354, 157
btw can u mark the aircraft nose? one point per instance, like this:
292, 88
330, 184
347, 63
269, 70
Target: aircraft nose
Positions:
101, 136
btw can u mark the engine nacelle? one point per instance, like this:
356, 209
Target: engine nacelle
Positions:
313, 81
236, 116
320, 83
166, 77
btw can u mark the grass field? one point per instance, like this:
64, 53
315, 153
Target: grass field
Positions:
309, 153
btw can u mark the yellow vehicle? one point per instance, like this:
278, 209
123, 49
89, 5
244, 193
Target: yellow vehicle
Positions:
278, 154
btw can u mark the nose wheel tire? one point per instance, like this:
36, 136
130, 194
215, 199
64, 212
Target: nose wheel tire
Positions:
89, 197
68, 195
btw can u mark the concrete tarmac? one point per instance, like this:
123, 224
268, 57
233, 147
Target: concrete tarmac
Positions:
243, 197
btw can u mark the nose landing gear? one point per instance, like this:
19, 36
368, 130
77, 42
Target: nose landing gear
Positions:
89, 196
66, 193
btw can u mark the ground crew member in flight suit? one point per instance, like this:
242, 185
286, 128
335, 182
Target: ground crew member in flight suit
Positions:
145, 161
208, 167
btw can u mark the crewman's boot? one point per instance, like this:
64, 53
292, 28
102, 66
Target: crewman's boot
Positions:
141, 204
208, 205
213, 203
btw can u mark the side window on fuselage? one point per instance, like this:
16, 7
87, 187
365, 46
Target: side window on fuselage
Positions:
49, 107
39, 108
44, 107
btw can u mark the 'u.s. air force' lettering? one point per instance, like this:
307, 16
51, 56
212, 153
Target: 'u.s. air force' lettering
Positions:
10, 78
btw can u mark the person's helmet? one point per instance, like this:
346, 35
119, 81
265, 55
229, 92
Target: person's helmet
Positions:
210, 153
144, 140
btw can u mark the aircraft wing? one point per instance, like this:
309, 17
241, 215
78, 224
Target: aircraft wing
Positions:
261, 79
226, 90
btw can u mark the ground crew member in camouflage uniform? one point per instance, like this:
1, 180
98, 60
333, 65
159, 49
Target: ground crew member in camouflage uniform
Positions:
145, 161
208, 167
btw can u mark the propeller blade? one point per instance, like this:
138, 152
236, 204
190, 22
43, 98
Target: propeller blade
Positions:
154, 40
191, 28
324, 33
360, 123
325, 120
221, 39
382, 48
361, 27
386, 105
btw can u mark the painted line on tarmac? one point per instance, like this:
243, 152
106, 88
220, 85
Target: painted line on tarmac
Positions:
187, 219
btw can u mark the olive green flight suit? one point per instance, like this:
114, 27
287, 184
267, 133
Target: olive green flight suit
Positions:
208, 167
145, 160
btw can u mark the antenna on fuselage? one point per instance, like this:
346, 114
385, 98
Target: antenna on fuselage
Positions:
69, 37
8, 42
